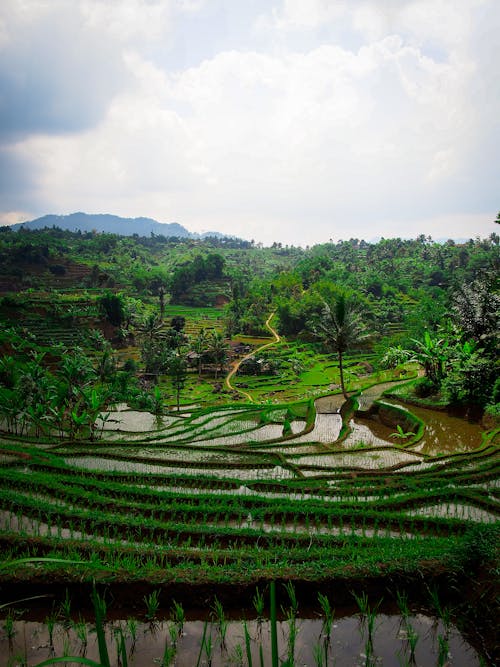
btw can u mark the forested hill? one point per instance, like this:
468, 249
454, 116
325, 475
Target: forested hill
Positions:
113, 224
404, 290
402, 283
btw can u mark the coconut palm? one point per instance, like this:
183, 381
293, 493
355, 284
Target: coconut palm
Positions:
200, 345
340, 327
218, 349
177, 369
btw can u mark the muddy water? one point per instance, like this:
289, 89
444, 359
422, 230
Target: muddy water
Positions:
370, 432
329, 404
444, 434
146, 644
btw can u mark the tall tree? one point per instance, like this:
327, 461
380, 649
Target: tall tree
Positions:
200, 346
218, 350
177, 370
476, 309
340, 327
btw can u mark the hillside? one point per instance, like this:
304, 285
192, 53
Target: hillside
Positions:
102, 222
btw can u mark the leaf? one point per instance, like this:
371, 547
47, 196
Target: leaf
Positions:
69, 659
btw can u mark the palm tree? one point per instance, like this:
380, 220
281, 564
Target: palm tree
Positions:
340, 328
177, 369
200, 345
150, 326
217, 348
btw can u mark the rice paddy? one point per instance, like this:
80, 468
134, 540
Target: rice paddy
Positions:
241, 494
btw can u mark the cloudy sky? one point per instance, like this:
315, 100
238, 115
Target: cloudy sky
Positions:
289, 120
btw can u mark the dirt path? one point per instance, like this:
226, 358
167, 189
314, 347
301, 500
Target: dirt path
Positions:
236, 365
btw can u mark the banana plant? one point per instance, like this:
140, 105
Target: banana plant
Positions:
403, 435
431, 353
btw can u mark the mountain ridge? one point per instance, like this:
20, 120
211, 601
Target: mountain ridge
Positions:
113, 224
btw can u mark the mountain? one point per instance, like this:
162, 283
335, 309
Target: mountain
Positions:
113, 224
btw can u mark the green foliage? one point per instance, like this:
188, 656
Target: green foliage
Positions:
177, 370
112, 307
493, 410
197, 270
470, 381
401, 434
340, 327
479, 546
394, 356
477, 311
425, 387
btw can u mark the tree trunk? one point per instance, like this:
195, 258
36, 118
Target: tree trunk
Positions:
341, 369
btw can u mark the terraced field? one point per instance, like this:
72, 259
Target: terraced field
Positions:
241, 495
236, 494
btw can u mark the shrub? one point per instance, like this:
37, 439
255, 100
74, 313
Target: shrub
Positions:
479, 545
112, 306
425, 387
129, 366
57, 269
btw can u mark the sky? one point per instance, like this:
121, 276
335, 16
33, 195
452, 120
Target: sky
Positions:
297, 121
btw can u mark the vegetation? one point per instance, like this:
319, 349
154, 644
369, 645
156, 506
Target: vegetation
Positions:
129, 452
340, 327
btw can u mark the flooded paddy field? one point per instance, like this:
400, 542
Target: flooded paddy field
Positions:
347, 640
205, 504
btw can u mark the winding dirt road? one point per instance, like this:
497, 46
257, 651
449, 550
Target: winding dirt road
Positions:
235, 366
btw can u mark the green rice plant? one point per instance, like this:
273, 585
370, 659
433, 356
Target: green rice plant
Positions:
371, 617
292, 638
178, 616
320, 654
9, 625
65, 611
173, 634
152, 602
274, 626
258, 603
402, 600
413, 638
18, 660
132, 631
121, 651
80, 629
328, 614
170, 649
209, 647
261, 656
362, 602
217, 614
247, 645
50, 622
444, 613
294, 605
202, 645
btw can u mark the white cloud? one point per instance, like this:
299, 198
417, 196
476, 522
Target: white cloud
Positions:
300, 15
129, 20
284, 143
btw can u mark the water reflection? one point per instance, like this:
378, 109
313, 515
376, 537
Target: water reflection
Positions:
345, 644
445, 434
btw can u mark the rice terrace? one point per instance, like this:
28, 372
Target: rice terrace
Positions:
218, 453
